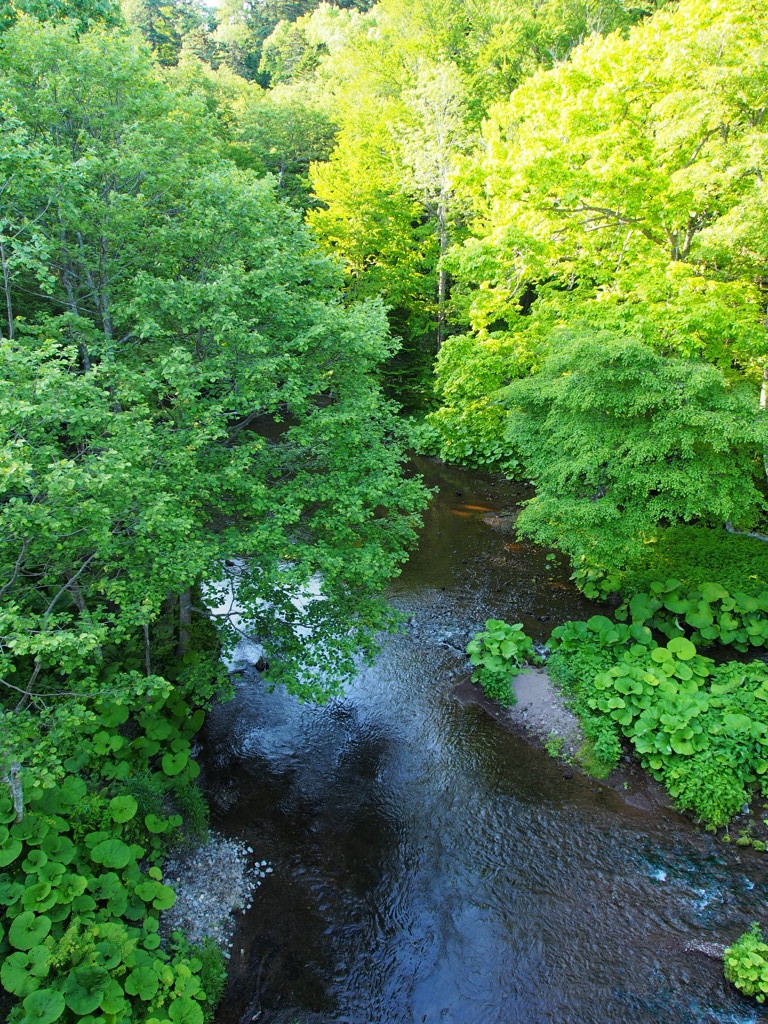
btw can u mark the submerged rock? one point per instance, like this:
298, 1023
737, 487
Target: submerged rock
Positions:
714, 950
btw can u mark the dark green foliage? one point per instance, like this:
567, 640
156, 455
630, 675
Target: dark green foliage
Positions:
80, 880
579, 652
698, 727
708, 615
694, 555
621, 441
283, 138
167, 24
213, 976
192, 807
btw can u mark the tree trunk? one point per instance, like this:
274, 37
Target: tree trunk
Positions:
442, 275
77, 597
185, 621
13, 782
7, 288
147, 652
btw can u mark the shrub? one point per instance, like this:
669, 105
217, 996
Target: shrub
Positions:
698, 727
746, 964
499, 654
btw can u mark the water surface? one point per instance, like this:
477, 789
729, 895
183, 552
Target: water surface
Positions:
432, 867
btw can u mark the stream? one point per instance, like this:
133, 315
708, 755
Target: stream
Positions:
432, 866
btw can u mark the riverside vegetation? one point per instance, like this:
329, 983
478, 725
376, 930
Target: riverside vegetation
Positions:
227, 241
182, 383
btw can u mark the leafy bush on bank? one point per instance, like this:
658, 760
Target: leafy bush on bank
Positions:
746, 964
499, 653
698, 727
709, 585
709, 615
81, 886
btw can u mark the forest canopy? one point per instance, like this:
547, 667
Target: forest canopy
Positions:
235, 241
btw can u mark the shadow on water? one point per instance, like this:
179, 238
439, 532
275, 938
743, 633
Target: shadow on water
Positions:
432, 867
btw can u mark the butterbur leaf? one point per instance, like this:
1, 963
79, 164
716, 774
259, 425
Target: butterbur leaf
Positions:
142, 982
7, 810
59, 848
174, 764
185, 1011
156, 824
43, 1006
28, 930
642, 607
34, 860
32, 829
165, 898
39, 897
112, 715
122, 808
70, 887
10, 893
22, 973
682, 648
113, 1000
10, 850
112, 853
84, 989
713, 592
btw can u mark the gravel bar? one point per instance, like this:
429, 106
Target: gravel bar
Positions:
211, 882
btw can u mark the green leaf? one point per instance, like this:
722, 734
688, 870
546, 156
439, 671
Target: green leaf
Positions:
156, 824
112, 853
28, 930
142, 982
174, 764
10, 850
43, 1006
84, 989
22, 973
122, 808
682, 648
185, 1011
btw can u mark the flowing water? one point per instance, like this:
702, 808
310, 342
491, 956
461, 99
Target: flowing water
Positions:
430, 866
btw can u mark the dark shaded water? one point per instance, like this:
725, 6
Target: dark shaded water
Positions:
430, 866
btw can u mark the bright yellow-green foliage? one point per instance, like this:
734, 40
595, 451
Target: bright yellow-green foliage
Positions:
620, 238
746, 964
621, 441
409, 89
621, 182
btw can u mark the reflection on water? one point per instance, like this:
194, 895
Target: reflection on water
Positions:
430, 866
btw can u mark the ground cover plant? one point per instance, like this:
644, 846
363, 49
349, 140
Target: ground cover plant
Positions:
697, 726
499, 653
81, 883
746, 964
